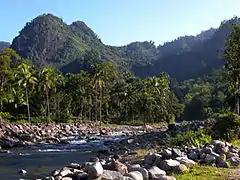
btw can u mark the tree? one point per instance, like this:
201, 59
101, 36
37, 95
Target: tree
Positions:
232, 64
6, 76
26, 79
47, 82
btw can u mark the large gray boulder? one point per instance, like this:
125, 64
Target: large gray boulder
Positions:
94, 169
111, 175
156, 173
187, 162
135, 175
235, 161
142, 170
168, 165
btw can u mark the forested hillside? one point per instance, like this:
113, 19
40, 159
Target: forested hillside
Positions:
47, 40
4, 45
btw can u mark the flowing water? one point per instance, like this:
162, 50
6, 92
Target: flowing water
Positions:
39, 161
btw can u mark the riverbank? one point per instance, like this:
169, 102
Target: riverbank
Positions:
20, 135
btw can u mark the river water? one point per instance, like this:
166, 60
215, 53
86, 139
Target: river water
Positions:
39, 161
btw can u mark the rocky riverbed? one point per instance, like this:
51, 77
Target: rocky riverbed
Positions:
154, 166
20, 135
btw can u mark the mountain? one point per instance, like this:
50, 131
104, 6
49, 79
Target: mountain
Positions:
4, 45
48, 41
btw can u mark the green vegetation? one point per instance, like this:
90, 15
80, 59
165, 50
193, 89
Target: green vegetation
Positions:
190, 138
102, 94
204, 173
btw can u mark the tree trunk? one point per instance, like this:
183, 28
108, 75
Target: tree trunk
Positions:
100, 107
28, 108
48, 106
237, 105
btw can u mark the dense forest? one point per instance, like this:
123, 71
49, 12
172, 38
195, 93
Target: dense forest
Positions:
48, 41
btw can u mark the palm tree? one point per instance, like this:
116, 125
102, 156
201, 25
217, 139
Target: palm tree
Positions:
48, 81
26, 79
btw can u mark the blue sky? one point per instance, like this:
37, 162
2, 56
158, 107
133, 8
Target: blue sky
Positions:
119, 22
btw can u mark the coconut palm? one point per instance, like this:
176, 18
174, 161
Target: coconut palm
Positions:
26, 79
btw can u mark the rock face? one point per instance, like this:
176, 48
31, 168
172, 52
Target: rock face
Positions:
94, 169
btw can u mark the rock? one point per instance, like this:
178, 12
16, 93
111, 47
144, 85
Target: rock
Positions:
50, 178
111, 175
206, 150
233, 150
58, 177
127, 178
210, 159
66, 178
56, 172
235, 161
180, 168
222, 164
155, 172
176, 152
220, 148
137, 167
74, 166
149, 159
230, 154
214, 142
135, 175
22, 171
80, 176
94, 169
115, 165
187, 162
193, 155
168, 165
2, 151
65, 171
222, 157
166, 153
166, 178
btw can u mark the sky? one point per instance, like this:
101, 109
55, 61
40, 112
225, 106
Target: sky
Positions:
119, 22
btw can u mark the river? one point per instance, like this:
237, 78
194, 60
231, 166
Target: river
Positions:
40, 161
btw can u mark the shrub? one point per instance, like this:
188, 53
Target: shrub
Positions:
190, 138
5, 115
227, 126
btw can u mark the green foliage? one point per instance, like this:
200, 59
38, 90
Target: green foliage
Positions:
5, 115
227, 126
190, 138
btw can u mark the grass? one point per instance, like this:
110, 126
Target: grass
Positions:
236, 143
204, 173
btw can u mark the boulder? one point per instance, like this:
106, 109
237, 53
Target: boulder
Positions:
57, 177
220, 148
94, 169
66, 178
166, 153
180, 168
209, 159
193, 155
206, 150
111, 175
230, 154
168, 165
135, 175
166, 178
115, 165
22, 171
222, 164
155, 172
235, 161
65, 172
187, 162
149, 159
142, 170
176, 152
